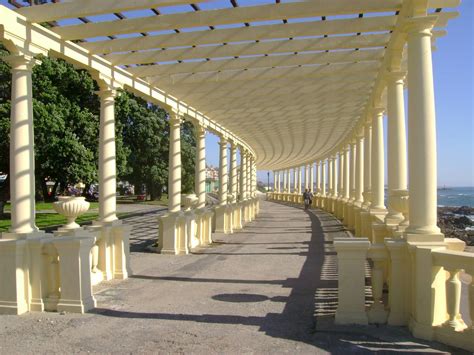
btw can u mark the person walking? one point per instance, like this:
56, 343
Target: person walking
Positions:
307, 198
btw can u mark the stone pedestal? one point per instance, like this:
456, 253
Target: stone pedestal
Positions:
351, 259
172, 234
204, 218
75, 274
223, 219
237, 216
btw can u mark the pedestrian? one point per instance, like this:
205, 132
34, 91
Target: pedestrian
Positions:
307, 198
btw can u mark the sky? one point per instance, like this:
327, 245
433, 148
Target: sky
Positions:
453, 67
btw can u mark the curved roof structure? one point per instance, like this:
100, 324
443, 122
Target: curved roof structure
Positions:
290, 79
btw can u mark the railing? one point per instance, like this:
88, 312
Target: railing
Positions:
455, 331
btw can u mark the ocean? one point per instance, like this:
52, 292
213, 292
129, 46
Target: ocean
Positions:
456, 196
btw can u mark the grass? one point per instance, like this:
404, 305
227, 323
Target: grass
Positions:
44, 220
48, 206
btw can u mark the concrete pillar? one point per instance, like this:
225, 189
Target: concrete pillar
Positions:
274, 180
223, 174
352, 170
311, 177
318, 177
200, 167
359, 170
285, 179
331, 163
340, 175
233, 171
299, 179
107, 157
22, 158
174, 169
378, 191
396, 144
367, 164
346, 170
306, 177
322, 165
421, 130
243, 165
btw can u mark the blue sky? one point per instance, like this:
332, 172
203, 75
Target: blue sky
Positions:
453, 74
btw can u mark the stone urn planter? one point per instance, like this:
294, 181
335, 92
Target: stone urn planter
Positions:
189, 201
71, 207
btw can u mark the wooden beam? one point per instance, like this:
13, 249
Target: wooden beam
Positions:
256, 75
253, 33
226, 16
259, 62
254, 48
83, 8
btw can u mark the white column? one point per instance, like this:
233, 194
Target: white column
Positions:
274, 180
306, 177
367, 164
340, 174
174, 169
331, 164
278, 181
352, 170
311, 177
107, 157
421, 129
233, 171
346, 177
22, 158
243, 164
299, 179
295, 180
322, 165
223, 177
285, 179
378, 159
359, 170
318, 177
200, 166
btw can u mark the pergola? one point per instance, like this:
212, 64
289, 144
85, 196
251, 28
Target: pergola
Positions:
293, 86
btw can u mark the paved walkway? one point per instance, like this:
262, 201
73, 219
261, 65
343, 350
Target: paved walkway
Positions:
268, 289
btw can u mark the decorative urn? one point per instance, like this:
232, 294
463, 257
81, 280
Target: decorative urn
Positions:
189, 201
71, 207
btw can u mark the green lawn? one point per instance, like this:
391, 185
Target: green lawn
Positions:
44, 220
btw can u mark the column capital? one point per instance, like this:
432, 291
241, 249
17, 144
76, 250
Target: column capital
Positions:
107, 94
223, 141
176, 117
420, 25
21, 61
395, 76
377, 111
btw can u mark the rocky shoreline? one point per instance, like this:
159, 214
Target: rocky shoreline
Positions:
455, 223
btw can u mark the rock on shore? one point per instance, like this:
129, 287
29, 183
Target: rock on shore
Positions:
455, 222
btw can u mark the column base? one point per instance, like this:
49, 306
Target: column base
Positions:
172, 234
223, 219
377, 314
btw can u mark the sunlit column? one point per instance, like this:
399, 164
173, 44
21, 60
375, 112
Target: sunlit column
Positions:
223, 175
359, 170
346, 173
311, 176
323, 169
299, 179
378, 159
285, 179
318, 176
200, 166
306, 177
340, 175
22, 158
396, 143
352, 170
233, 170
367, 164
421, 129
243, 164
107, 157
174, 170
331, 164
